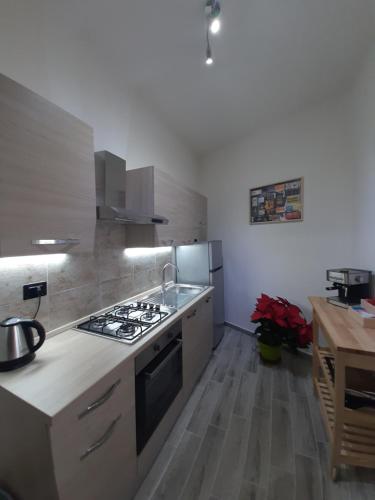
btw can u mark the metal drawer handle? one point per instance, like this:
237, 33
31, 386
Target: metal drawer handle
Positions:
170, 355
101, 400
108, 433
192, 314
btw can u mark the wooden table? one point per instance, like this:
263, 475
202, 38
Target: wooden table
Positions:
351, 348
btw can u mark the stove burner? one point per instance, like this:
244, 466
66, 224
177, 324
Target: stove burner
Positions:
122, 310
127, 329
148, 315
127, 322
100, 321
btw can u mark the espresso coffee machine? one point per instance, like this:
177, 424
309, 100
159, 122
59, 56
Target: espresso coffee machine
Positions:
352, 286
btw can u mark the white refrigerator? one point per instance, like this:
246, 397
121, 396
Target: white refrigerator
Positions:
202, 264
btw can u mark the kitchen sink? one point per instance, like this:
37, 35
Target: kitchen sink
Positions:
186, 289
176, 295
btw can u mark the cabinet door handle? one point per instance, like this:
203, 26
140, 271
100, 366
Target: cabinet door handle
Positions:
192, 314
99, 402
208, 299
108, 433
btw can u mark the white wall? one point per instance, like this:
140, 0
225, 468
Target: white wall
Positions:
364, 166
287, 259
40, 49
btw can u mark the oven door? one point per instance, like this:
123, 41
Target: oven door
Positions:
157, 385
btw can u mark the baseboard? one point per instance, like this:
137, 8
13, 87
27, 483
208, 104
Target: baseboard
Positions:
239, 328
307, 352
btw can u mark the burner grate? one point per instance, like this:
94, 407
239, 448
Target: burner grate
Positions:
126, 323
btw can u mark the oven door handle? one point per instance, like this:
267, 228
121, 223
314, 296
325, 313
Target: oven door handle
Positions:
157, 370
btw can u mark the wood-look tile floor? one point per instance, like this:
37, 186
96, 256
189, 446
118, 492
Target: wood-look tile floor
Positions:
251, 432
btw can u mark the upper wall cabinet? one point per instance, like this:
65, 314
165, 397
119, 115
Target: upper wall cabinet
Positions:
47, 176
152, 191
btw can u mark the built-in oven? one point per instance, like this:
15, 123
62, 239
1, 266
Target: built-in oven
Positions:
158, 380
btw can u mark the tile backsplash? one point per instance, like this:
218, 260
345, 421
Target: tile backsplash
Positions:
80, 284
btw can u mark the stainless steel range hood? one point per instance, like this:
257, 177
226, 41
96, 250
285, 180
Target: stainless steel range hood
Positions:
110, 173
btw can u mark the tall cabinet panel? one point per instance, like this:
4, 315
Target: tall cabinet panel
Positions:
154, 191
47, 176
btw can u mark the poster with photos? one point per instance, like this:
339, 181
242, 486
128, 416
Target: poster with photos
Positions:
280, 202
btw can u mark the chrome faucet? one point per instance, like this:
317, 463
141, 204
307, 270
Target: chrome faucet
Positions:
163, 284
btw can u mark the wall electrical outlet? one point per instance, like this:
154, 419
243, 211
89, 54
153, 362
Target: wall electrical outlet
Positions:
33, 290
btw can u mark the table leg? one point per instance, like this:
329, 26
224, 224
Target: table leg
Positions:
339, 405
315, 360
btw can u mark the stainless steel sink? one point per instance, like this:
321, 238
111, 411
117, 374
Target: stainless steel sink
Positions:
176, 295
186, 289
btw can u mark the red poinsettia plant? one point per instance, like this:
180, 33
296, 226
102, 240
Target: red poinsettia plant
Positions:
281, 322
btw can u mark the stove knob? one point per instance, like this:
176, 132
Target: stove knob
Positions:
139, 304
144, 305
157, 307
151, 307
156, 347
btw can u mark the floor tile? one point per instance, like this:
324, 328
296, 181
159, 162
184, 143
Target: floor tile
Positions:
176, 474
228, 478
280, 385
251, 491
263, 389
304, 436
204, 409
281, 485
245, 395
282, 439
200, 481
308, 479
258, 447
224, 406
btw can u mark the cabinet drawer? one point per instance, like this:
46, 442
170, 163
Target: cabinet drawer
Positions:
102, 399
105, 469
86, 421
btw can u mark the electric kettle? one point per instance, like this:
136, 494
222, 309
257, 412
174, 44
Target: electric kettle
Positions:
17, 345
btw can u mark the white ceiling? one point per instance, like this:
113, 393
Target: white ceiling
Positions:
271, 57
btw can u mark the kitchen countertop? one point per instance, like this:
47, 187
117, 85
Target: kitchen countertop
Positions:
71, 362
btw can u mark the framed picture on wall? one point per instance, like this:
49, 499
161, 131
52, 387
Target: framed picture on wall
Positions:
279, 202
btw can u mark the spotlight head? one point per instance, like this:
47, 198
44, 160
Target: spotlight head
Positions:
209, 58
213, 12
215, 25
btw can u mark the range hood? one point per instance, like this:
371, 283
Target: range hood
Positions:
110, 174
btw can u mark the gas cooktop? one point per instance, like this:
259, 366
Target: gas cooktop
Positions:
127, 323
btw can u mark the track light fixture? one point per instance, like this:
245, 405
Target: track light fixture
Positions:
212, 10
213, 16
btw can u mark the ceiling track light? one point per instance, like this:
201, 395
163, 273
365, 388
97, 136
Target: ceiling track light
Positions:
213, 10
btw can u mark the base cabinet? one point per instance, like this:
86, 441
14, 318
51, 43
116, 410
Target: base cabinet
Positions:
105, 469
85, 452
197, 334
